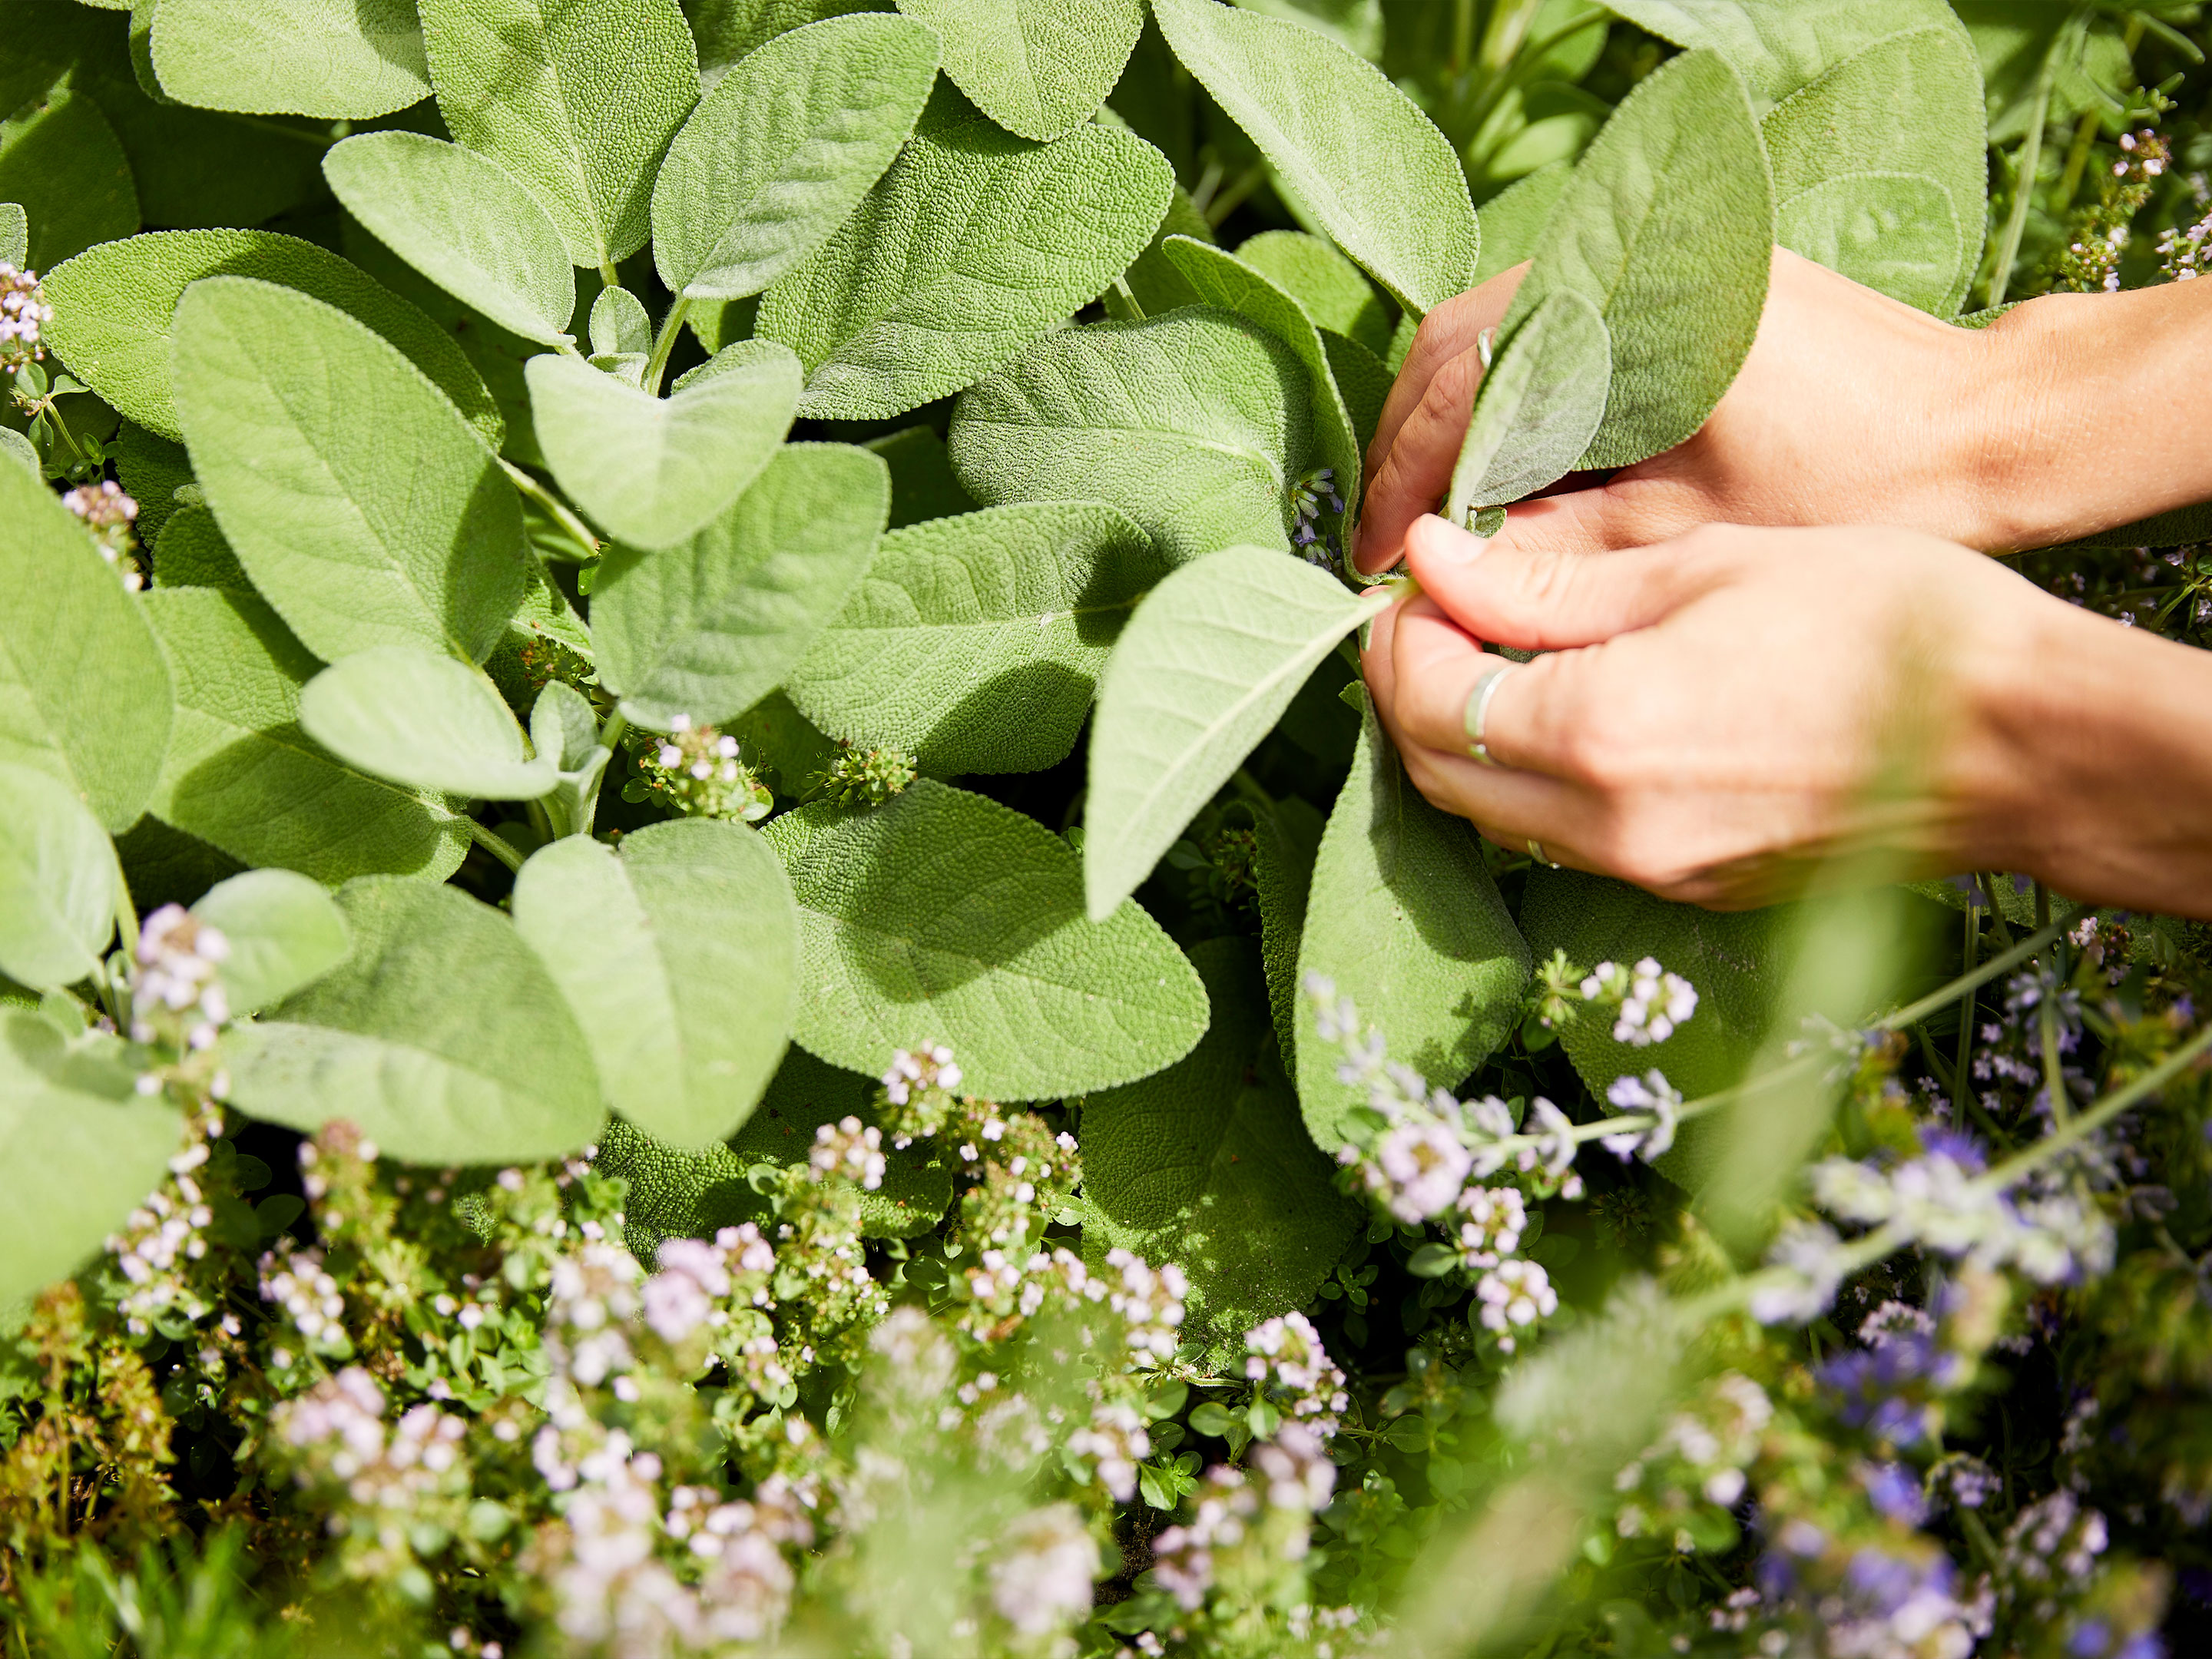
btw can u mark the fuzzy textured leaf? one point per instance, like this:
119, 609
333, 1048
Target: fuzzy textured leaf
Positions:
1334, 292
1896, 232
945, 916
74, 1108
653, 471
709, 627
84, 690
1206, 1165
1208, 665
463, 221
58, 882
1780, 45
114, 307
420, 719
1668, 229
1193, 425
679, 956
243, 776
1513, 219
779, 154
442, 1038
366, 510
284, 932
334, 59
975, 243
1035, 67
1404, 917
974, 642
578, 98
1361, 158
61, 159
1540, 405
15, 235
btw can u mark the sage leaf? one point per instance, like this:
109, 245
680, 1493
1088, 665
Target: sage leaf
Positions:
1332, 291
58, 883
442, 1038
653, 471
365, 509
1538, 408
727, 30
1361, 380
81, 1146
284, 932
151, 469
679, 956
61, 158
781, 151
1668, 229
19, 449
1780, 45
577, 99
923, 483
1207, 1164
1910, 105
1224, 280
334, 59
1035, 67
1404, 917
618, 325
706, 629
1287, 838
565, 732
1193, 425
1358, 155
973, 244
420, 719
1513, 221
15, 235
974, 643
464, 222
84, 690
192, 553
113, 308
243, 776
1208, 665
941, 916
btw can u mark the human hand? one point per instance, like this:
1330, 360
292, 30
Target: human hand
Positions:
1721, 714
1852, 409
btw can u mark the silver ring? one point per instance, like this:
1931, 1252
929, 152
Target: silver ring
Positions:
1477, 717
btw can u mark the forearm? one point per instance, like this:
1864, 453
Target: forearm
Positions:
2098, 774
2083, 403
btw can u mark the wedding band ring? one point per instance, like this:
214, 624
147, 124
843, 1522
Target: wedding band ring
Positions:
1477, 717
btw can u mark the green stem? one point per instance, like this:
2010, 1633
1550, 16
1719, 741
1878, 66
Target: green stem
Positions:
1974, 981
1128, 299
609, 276
2028, 163
671, 325
575, 528
2025, 1162
494, 845
1230, 199
610, 736
1964, 1052
2077, 160
319, 140
1522, 67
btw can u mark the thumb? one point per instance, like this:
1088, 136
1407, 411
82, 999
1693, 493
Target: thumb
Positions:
1540, 600
1626, 511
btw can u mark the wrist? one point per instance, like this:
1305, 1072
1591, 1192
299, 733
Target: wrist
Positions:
2010, 421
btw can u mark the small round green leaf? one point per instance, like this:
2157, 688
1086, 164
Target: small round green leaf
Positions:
58, 882
338, 59
284, 932
1540, 405
1035, 67
425, 721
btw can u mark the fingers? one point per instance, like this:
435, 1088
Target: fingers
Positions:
1631, 510
1537, 599
1418, 469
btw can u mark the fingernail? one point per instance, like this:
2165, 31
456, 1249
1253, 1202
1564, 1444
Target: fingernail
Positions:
1450, 545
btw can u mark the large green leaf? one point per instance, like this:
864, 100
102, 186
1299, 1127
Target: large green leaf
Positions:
945, 917
442, 1038
364, 508
1359, 156
337, 59
1538, 408
1513, 219
283, 930
1208, 664
779, 154
1206, 1165
1908, 105
113, 308
727, 30
62, 161
80, 1148
58, 883
242, 776
1035, 67
420, 719
84, 692
463, 221
1404, 917
1194, 424
679, 956
1287, 838
974, 642
1668, 229
975, 243
576, 98
653, 471
708, 629
1224, 280
1333, 290
1779, 45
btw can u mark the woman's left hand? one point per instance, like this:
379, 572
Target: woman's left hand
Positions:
1719, 715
